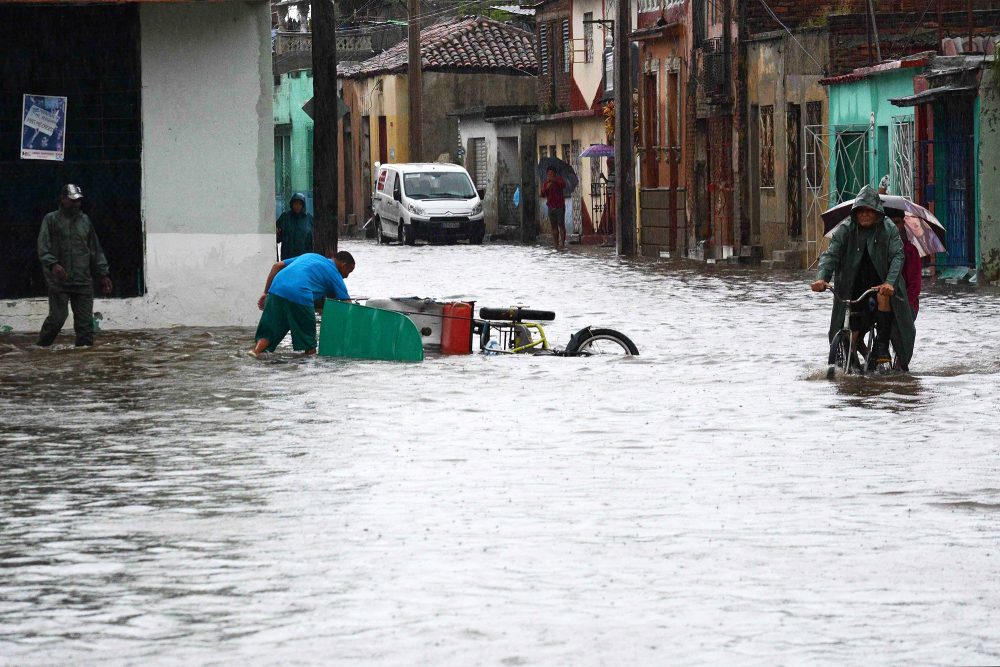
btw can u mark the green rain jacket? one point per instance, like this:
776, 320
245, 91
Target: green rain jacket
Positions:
70, 240
841, 261
295, 232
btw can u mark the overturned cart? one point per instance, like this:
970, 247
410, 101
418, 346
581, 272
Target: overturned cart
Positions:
401, 329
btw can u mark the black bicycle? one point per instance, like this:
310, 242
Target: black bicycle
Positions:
847, 355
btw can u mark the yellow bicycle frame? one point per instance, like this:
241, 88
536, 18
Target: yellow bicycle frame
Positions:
535, 342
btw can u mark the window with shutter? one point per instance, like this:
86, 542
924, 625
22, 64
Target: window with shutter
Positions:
567, 46
479, 162
543, 48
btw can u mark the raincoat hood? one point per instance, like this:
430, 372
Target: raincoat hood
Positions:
298, 196
868, 198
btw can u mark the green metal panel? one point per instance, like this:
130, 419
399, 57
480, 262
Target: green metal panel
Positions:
359, 332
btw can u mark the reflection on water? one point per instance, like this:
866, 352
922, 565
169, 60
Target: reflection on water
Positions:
713, 500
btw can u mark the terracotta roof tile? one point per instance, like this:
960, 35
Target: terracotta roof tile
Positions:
474, 43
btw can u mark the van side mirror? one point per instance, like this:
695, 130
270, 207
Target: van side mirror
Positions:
481, 192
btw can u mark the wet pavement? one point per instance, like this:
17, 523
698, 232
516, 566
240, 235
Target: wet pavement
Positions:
715, 499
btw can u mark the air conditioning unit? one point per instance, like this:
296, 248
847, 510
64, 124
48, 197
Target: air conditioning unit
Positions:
715, 76
713, 45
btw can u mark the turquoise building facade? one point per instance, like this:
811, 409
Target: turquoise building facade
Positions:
293, 139
869, 136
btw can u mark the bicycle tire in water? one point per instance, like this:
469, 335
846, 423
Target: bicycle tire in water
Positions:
840, 350
604, 341
516, 314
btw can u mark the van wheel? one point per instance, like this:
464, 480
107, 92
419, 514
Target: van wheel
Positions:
406, 235
380, 238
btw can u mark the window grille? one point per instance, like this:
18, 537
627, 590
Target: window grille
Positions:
813, 147
767, 146
901, 168
588, 37
567, 46
543, 48
479, 162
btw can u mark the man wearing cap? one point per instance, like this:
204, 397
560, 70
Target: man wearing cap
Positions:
71, 258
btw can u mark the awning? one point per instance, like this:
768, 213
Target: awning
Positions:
932, 95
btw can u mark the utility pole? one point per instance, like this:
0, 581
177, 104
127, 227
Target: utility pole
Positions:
624, 155
325, 165
968, 48
878, 47
414, 86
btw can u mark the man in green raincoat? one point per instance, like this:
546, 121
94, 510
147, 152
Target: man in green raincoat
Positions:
71, 258
866, 252
295, 229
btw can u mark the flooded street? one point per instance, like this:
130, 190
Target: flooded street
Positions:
715, 499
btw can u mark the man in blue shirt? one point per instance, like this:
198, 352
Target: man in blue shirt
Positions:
294, 288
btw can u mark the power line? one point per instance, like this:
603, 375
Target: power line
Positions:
797, 42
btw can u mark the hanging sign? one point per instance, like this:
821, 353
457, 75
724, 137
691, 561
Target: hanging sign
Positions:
43, 128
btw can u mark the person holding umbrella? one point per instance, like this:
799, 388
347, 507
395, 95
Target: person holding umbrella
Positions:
553, 189
911, 264
868, 252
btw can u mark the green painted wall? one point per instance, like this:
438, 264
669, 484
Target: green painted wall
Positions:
293, 162
852, 104
988, 177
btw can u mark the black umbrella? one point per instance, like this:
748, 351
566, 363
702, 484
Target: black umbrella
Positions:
561, 169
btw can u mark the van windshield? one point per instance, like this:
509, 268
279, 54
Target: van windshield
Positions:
438, 185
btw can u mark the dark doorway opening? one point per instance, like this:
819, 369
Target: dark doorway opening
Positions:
383, 141
90, 55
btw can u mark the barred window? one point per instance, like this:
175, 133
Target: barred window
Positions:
767, 146
567, 46
543, 48
479, 162
588, 37
814, 148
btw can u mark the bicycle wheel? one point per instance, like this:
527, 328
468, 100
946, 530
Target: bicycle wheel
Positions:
840, 355
603, 341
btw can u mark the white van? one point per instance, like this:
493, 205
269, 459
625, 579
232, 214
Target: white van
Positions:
430, 202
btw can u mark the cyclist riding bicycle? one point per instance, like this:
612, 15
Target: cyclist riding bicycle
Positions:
867, 252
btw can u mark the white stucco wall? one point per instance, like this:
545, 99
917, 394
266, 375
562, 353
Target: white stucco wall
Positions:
207, 170
588, 75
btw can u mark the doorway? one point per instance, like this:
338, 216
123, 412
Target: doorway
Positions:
49, 51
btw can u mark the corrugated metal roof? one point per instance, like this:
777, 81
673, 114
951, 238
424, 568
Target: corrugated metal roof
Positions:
918, 60
931, 95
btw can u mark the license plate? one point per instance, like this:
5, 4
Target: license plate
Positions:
451, 225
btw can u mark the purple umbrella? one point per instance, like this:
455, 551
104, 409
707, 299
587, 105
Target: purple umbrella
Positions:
598, 150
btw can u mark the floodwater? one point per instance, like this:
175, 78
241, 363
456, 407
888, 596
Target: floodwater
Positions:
716, 499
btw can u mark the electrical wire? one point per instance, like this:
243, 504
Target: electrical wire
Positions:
916, 26
797, 42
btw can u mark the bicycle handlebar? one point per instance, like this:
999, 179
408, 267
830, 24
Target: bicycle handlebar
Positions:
851, 302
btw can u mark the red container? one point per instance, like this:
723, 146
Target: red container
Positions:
456, 328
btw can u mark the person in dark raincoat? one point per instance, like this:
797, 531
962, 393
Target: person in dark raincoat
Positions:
865, 252
71, 258
295, 229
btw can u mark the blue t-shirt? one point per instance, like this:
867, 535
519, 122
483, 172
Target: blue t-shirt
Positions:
307, 279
